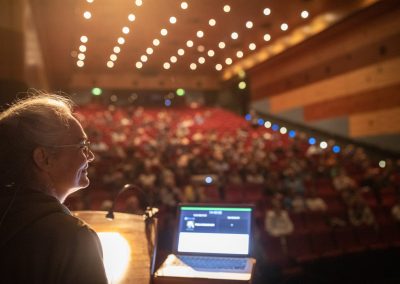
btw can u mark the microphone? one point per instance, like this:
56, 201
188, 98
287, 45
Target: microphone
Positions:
150, 211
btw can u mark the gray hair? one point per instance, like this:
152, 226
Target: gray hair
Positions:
40, 119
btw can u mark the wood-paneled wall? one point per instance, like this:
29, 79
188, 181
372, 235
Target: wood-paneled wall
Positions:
350, 70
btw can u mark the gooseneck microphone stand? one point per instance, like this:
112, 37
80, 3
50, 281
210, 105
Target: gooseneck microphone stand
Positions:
149, 220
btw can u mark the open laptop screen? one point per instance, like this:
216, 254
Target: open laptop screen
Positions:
214, 229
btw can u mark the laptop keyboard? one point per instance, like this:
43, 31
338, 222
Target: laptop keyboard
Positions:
204, 262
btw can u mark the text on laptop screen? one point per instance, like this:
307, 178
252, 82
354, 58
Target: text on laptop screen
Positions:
218, 230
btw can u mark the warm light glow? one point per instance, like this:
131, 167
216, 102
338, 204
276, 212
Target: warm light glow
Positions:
201, 48
234, 35
117, 49
249, 24
138, 3
284, 27
211, 53
218, 67
239, 54
164, 32
242, 85
166, 65
283, 130
84, 39
252, 46
267, 11
131, 17
193, 66
227, 8
125, 30
323, 145
121, 40
116, 255
184, 5
228, 61
267, 124
181, 51
267, 37
149, 50
156, 42
189, 43
143, 58
139, 65
200, 34
172, 20
81, 56
173, 59
212, 22
80, 63
113, 57
89, 1
221, 45
82, 48
382, 164
304, 14
110, 64
87, 15
201, 60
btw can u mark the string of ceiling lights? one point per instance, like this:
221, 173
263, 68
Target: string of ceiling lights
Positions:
201, 59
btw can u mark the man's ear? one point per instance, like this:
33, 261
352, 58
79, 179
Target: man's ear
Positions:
41, 158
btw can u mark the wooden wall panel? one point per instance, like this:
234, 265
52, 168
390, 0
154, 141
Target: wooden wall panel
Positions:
365, 79
355, 32
381, 50
375, 123
369, 101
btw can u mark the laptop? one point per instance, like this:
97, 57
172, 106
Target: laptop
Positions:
212, 241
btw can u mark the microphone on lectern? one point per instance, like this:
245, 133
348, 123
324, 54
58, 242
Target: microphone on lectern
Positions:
150, 223
150, 211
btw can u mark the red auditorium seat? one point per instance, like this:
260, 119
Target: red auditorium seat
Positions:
391, 235
252, 192
323, 244
370, 237
299, 248
211, 194
274, 252
346, 240
316, 221
234, 193
298, 222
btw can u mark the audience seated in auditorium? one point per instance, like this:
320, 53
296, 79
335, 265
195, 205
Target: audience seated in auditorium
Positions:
360, 213
277, 220
396, 211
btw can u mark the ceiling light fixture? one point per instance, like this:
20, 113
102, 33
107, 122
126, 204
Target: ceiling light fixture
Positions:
184, 5
267, 11
249, 24
156, 42
131, 17
227, 8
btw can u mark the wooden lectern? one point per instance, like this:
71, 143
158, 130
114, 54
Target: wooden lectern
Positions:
127, 256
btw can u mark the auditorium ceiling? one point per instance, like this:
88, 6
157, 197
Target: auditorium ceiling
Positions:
154, 44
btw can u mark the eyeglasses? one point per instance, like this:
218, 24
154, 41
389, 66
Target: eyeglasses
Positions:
84, 145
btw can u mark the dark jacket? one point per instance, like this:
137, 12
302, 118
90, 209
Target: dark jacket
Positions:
41, 242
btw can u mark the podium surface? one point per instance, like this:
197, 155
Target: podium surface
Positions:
125, 246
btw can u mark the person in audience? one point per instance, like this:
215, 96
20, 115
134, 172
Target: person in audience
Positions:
44, 157
315, 203
396, 211
360, 213
277, 220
